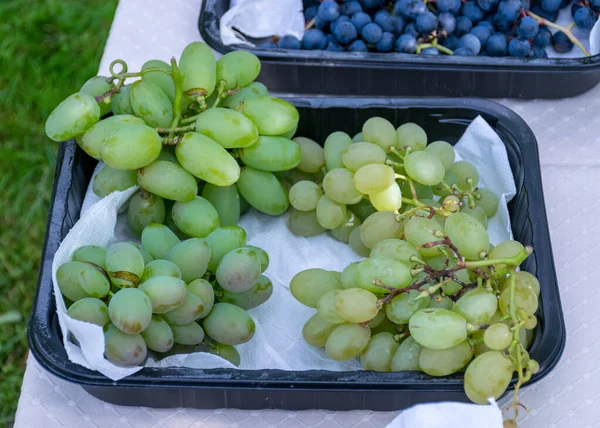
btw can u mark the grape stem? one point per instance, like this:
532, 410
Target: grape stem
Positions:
566, 30
220, 91
186, 128
395, 165
413, 190
440, 48
516, 342
190, 119
178, 95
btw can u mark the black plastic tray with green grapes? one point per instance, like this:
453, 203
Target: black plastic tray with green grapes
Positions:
443, 119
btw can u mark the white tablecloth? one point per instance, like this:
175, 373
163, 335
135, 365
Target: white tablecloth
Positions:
568, 134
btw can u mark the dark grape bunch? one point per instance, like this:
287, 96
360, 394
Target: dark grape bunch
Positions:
167, 295
517, 28
431, 294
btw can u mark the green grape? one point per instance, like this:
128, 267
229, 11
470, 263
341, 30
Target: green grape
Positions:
407, 356
158, 239
72, 117
124, 264
188, 334
420, 230
160, 268
272, 116
89, 310
437, 328
316, 331
330, 214
168, 180
464, 171
190, 311
444, 303
349, 277
411, 135
468, 235
272, 154
450, 179
97, 86
304, 195
488, 201
497, 337
424, 168
254, 89
477, 213
258, 294
263, 257
363, 209
386, 270
94, 138
356, 243
424, 193
158, 335
146, 256
227, 127
165, 292
198, 69
443, 151
229, 324
334, 148
356, 305
374, 178
304, 223
379, 352
263, 191
191, 257
523, 279
131, 146
480, 346
130, 310
440, 263
313, 155
379, 226
531, 323
110, 180
339, 186
223, 240
404, 305
389, 199
91, 254
380, 131
308, 286
444, 362
120, 103
358, 138
124, 350
326, 307
160, 79
357, 155
151, 104
396, 249
342, 233
294, 176
226, 200
144, 209
487, 376
238, 270
377, 321
196, 218
477, 306
347, 341
202, 289
505, 249
238, 69
525, 299
227, 352
207, 160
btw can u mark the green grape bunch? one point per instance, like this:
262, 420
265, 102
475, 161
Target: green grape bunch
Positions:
431, 293
193, 128
168, 295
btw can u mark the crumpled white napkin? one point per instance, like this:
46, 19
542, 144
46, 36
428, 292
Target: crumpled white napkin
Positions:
278, 342
261, 18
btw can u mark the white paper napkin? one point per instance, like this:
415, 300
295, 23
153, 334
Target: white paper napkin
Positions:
278, 342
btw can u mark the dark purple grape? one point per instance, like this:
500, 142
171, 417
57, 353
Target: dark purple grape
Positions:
463, 52
550, 5
472, 11
371, 33
463, 26
519, 47
452, 6
350, 8
289, 42
386, 43
384, 20
451, 42
595, 5
310, 12
447, 22
470, 42
360, 19
550, 16
528, 27
487, 5
314, 39
538, 52
336, 21
328, 10
412, 30
399, 24
497, 45
543, 38
483, 33
585, 18
426, 23
358, 46
406, 44
561, 43
345, 32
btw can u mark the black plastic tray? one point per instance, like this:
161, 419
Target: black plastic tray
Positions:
444, 119
394, 74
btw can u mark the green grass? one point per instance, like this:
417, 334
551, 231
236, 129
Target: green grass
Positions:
48, 49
